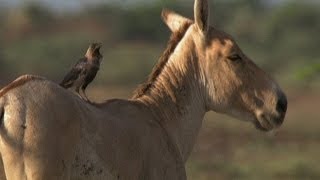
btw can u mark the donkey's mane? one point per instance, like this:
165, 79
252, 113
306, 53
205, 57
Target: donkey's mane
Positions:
175, 38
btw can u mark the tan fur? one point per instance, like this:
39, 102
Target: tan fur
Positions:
49, 133
201, 14
174, 20
18, 82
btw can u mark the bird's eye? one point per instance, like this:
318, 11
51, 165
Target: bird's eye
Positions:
235, 57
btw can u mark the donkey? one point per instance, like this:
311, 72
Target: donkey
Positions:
47, 132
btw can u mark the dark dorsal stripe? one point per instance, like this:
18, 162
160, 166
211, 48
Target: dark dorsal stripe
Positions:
175, 38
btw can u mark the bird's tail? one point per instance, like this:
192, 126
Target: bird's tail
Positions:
62, 84
65, 84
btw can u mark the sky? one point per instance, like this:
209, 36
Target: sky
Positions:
78, 4
69, 4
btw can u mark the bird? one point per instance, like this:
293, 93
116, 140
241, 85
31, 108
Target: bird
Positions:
84, 71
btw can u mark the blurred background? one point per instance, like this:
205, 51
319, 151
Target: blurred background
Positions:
282, 36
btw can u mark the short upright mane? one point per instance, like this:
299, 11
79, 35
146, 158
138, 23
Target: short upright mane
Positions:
175, 38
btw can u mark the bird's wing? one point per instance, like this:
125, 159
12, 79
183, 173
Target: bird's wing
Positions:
74, 73
91, 74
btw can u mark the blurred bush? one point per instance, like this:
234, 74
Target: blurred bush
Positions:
282, 38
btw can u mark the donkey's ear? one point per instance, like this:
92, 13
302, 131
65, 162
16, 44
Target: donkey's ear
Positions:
173, 20
201, 14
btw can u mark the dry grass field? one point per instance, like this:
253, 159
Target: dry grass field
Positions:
230, 149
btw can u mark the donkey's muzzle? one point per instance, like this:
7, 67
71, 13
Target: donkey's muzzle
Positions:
282, 104
281, 108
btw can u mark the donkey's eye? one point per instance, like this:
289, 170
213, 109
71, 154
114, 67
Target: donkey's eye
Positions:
235, 57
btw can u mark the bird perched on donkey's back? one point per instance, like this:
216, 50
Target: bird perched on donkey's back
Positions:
84, 71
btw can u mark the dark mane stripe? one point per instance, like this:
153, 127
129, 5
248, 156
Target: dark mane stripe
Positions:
175, 38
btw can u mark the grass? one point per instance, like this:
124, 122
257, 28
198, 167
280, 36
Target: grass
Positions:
258, 160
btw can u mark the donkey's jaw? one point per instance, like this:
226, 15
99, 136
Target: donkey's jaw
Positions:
268, 122
259, 126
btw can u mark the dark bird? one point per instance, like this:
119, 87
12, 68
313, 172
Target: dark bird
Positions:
84, 71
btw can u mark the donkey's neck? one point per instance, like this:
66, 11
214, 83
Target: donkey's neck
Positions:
176, 100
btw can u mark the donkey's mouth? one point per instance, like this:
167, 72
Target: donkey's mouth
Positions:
259, 126
266, 123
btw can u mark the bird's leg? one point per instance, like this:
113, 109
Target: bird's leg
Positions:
84, 95
77, 90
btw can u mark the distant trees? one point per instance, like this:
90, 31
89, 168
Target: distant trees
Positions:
30, 18
283, 38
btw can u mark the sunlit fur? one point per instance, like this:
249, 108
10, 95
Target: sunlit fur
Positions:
238, 88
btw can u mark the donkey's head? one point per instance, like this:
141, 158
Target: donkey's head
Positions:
231, 82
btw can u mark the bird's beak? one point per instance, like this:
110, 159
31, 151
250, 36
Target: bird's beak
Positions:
97, 48
99, 45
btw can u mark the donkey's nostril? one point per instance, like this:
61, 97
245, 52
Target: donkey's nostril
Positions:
282, 104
